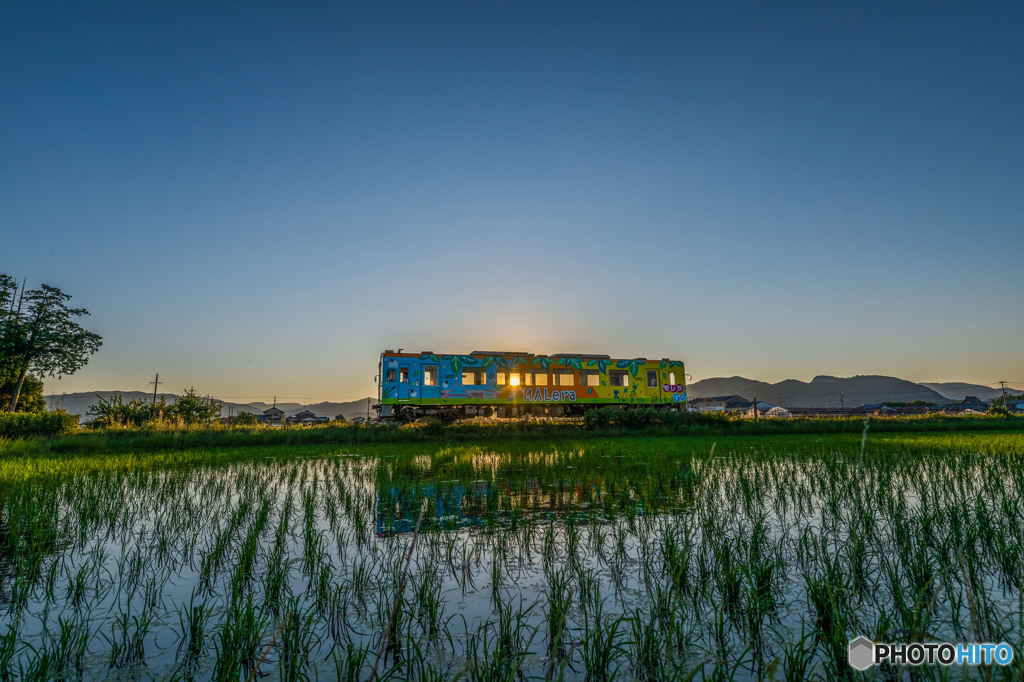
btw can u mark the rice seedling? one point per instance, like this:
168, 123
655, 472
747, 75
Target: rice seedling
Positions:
9, 646
645, 648
599, 646
127, 639
556, 614
349, 662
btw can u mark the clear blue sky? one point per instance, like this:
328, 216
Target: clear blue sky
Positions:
257, 199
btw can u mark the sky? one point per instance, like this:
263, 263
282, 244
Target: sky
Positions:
256, 199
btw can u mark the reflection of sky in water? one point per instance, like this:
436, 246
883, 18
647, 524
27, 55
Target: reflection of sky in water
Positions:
148, 544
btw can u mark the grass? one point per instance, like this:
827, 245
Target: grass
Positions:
651, 558
628, 424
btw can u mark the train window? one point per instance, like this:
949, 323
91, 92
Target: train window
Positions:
672, 378
502, 379
513, 378
391, 375
430, 375
562, 377
540, 378
618, 378
527, 378
652, 378
403, 375
590, 378
474, 377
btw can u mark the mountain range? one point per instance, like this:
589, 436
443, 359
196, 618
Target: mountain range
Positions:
958, 390
79, 403
828, 391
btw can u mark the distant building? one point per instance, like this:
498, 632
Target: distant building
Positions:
306, 418
722, 403
271, 415
969, 405
767, 411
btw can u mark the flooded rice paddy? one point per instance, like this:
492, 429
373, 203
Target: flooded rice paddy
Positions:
610, 560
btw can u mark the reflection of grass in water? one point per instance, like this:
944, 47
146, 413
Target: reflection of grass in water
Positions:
648, 557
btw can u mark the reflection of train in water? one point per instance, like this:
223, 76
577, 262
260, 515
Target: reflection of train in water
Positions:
505, 384
467, 504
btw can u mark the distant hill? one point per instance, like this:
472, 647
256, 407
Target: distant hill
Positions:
821, 391
955, 390
289, 408
79, 403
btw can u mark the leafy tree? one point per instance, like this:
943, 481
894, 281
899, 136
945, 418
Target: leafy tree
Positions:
44, 337
32, 389
194, 409
31, 399
244, 419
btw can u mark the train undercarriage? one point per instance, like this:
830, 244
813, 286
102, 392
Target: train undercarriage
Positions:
451, 413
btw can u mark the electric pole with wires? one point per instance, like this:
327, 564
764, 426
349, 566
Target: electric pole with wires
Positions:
156, 383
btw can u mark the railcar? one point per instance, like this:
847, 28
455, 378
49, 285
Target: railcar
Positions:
510, 384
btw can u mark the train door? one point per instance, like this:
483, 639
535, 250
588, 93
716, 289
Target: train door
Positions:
404, 378
652, 384
430, 390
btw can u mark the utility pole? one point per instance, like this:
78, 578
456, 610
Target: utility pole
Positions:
755, 410
1003, 384
156, 383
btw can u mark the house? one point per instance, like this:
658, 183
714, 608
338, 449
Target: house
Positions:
306, 418
272, 415
1015, 405
969, 405
722, 403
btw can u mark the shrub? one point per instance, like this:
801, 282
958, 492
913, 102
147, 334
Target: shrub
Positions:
434, 427
600, 418
637, 419
31, 425
188, 409
113, 412
244, 419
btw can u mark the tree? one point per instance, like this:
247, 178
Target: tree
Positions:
193, 409
31, 399
10, 341
44, 338
244, 419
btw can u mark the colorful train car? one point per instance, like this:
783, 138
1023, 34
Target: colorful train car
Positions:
505, 384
